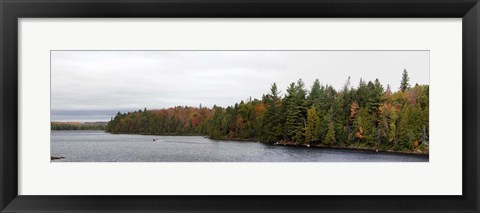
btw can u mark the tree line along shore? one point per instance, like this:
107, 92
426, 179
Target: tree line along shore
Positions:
77, 125
368, 116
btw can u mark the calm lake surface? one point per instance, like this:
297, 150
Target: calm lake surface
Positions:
99, 146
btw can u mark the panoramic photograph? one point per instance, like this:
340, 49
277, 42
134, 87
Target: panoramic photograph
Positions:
239, 106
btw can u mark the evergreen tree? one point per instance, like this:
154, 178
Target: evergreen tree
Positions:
272, 129
330, 136
315, 93
405, 134
295, 107
312, 130
404, 84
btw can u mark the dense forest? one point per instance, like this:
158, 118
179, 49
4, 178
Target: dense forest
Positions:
78, 125
367, 116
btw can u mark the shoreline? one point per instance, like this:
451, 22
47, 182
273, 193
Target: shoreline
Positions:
319, 146
233, 139
350, 148
285, 143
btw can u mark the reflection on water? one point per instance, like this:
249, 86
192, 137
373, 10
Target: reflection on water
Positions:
98, 146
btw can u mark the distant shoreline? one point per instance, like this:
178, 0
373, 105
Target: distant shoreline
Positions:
71, 125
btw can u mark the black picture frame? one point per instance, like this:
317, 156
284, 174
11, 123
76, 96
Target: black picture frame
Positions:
12, 10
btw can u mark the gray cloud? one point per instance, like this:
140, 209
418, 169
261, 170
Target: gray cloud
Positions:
124, 80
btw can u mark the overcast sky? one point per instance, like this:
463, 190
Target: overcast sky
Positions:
127, 80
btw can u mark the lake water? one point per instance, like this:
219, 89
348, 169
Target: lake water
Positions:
99, 146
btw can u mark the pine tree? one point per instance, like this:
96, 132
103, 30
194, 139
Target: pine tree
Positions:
330, 136
315, 93
295, 112
404, 84
272, 129
312, 130
377, 93
405, 133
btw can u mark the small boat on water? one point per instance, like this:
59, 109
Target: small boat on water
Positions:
56, 158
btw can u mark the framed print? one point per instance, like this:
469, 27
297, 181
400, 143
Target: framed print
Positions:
255, 106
